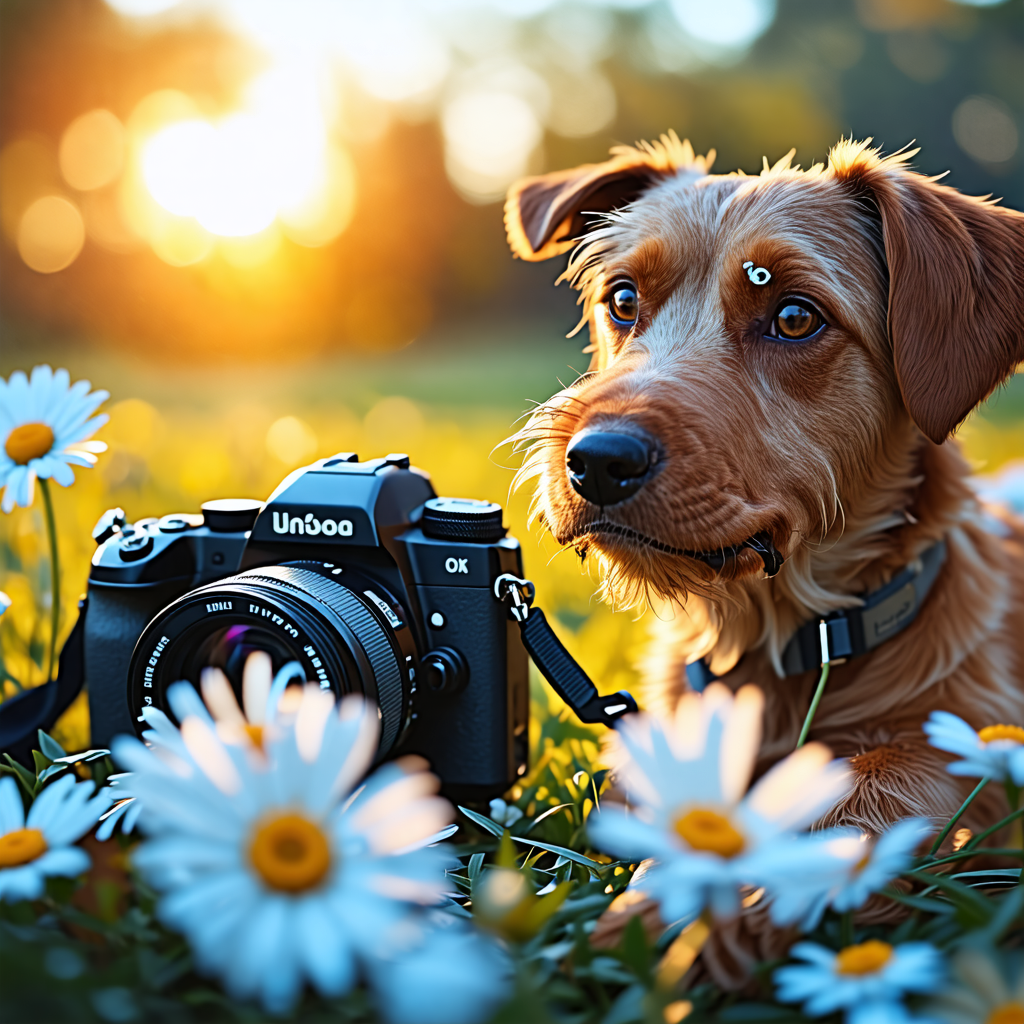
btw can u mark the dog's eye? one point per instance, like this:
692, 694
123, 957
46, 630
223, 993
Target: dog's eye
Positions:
795, 320
624, 303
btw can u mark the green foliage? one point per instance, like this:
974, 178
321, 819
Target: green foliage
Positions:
92, 949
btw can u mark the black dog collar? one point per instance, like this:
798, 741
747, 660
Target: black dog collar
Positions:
846, 634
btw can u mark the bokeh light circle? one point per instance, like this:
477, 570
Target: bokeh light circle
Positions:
51, 234
489, 138
984, 129
291, 440
92, 150
731, 24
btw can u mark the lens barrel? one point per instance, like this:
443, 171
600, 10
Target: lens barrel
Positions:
296, 612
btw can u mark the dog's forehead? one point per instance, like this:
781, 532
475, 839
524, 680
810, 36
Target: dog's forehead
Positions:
705, 215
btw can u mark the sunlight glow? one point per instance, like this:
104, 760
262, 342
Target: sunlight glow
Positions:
236, 175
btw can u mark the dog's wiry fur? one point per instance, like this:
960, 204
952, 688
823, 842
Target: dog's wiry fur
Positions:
837, 448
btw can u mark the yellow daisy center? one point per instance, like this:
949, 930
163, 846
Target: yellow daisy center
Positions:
1001, 732
290, 853
255, 734
27, 442
704, 829
1008, 1013
21, 846
865, 958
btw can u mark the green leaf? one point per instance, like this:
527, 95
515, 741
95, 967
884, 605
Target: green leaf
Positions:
485, 823
86, 755
50, 747
921, 902
636, 953
1009, 910
24, 776
48, 773
972, 907
41, 761
990, 873
576, 858
628, 1007
476, 863
610, 971
546, 814
758, 1012
583, 907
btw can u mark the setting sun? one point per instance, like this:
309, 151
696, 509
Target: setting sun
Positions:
234, 176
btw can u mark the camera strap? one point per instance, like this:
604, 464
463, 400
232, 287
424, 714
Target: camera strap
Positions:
39, 707
556, 664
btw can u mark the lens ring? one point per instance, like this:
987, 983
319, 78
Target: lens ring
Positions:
371, 635
329, 629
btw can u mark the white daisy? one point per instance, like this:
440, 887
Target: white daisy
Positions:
840, 868
33, 848
44, 426
434, 971
265, 698
283, 869
503, 813
5, 602
988, 989
686, 779
995, 752
868, 980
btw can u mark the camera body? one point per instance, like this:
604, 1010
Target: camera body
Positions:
354, 575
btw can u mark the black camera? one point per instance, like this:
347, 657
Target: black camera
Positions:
354, 574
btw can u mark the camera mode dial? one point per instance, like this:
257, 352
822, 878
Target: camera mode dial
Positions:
230, 515
135, 545
462, 519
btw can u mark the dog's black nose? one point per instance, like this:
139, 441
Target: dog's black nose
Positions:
607, 467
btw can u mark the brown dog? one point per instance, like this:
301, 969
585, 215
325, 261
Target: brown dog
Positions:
777, 362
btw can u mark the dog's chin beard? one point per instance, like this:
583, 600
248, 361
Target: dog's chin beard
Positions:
723, 561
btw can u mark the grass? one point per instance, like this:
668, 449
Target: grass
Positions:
180, 436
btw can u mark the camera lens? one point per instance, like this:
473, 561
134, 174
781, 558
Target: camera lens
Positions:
301, 612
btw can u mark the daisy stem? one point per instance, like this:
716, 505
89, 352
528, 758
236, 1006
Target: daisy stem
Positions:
975, 842
846, 928
51, 532
815, 701
965, 853
956, 817
1013, 799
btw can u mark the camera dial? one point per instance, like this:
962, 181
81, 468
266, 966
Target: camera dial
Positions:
226, 515
445, 670
462, 519
135, 545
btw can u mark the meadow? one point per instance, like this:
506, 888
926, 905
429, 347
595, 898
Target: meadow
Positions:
180, 434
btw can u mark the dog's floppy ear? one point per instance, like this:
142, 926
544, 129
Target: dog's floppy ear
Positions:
956, 286
544, 215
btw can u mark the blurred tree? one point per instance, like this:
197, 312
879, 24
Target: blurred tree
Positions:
415, 254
